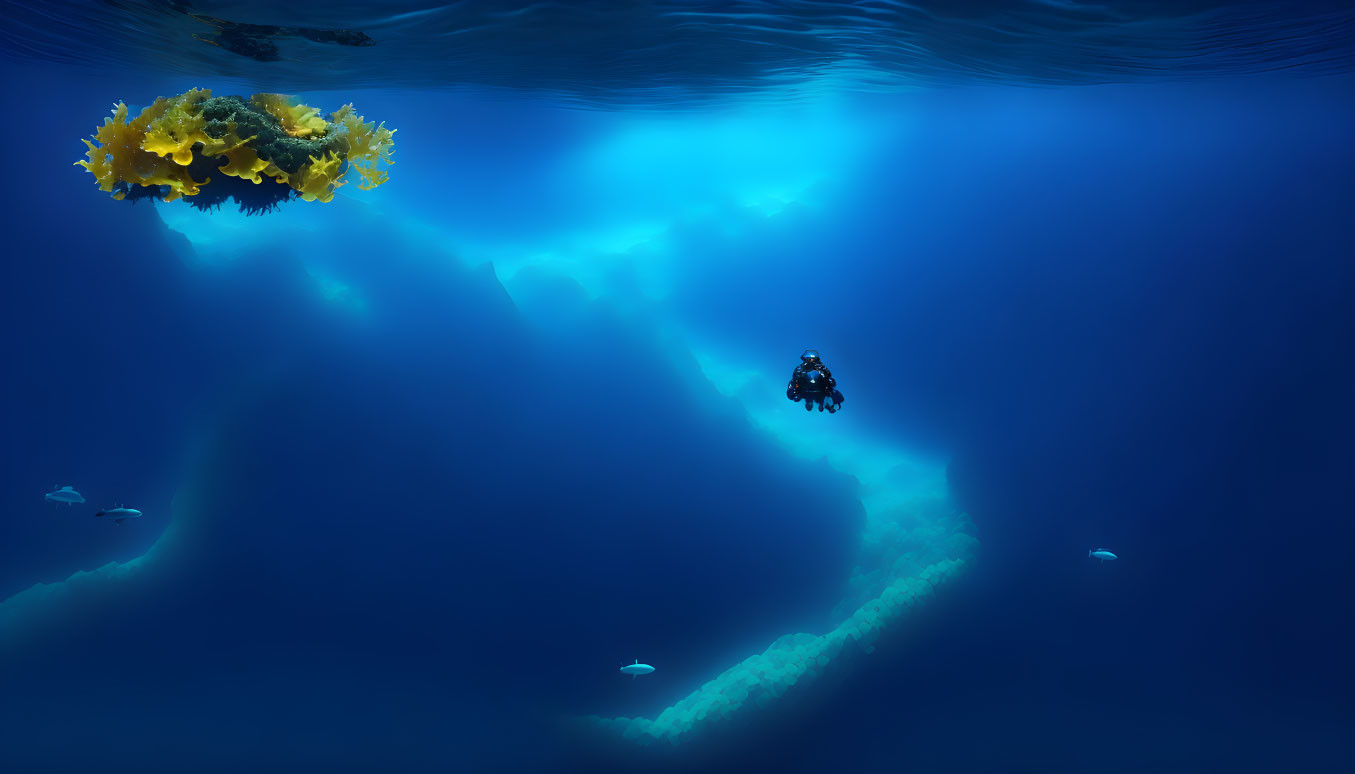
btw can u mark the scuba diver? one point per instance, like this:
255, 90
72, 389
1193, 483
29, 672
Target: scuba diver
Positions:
813, 383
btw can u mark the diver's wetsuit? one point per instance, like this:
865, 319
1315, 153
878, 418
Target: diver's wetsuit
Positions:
813, 383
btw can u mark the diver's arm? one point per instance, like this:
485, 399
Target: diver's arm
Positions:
792, 387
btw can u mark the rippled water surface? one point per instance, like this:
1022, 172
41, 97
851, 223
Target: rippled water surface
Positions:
664, 53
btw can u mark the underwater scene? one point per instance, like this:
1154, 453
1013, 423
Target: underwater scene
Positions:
678, 386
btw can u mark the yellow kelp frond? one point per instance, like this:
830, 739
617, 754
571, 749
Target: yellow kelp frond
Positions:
297, 120
266, 140
367, 146
244, 163
277, 173
119, 147
229, 139
119, 157
320, 179
176, 126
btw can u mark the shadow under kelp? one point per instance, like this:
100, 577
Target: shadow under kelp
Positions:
252, 198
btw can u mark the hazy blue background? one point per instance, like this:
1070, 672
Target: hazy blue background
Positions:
452, 459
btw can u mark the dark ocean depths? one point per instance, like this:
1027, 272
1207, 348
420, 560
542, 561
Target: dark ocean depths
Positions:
422, 467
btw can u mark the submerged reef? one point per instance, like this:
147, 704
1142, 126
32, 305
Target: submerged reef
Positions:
180, 145
908, 552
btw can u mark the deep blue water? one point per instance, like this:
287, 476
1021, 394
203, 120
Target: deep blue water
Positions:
431, 462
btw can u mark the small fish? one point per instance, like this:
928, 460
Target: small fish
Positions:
636, 669
65, 495
1102, 554
119, 515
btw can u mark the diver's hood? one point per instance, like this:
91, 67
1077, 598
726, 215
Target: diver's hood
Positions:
810, 356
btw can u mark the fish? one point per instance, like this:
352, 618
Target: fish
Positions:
636, 669
66, 495
1102, 554
119, 515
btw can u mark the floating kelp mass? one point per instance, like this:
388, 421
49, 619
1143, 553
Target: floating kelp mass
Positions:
197, 145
